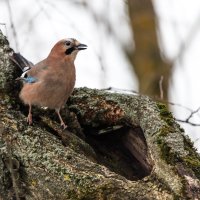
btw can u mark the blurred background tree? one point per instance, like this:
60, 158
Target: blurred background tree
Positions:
151, 69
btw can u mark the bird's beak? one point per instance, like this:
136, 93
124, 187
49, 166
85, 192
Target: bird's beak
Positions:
81, 47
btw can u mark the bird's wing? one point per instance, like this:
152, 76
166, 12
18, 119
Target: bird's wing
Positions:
37, 69
30, 71
25, 65
21, 62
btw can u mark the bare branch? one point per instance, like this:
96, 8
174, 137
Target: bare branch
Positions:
12, 25
6, 31
189, 39
185, 121
161, 87
121, 90
192, 113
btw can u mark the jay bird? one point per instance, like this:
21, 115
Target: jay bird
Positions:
50, 82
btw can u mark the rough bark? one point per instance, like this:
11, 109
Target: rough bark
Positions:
118, 146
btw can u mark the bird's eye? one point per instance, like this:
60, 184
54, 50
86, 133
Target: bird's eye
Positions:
68, 43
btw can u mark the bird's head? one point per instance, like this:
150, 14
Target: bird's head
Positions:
67, 48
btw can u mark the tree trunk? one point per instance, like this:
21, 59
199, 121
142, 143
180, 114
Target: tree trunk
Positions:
117, 146
148, 64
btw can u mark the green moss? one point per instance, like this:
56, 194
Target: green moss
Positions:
165, 114
192, 160
166, 130
166, 153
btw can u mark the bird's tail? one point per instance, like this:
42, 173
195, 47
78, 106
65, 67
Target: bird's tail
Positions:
21, 62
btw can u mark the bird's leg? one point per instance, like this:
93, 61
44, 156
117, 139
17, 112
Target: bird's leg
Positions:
61, 120
29, 117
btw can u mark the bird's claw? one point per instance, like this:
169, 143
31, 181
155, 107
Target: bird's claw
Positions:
63, 125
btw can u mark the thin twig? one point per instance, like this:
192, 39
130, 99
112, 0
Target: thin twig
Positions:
179, 105
189, 39
121, 90
12, 25
192, 113
186, 122
4, 24
189, 117
161, 87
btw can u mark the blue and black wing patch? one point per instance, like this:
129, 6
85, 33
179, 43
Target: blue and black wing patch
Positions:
30, 79
25, 66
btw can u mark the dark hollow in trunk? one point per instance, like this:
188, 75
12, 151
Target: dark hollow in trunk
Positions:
123, 151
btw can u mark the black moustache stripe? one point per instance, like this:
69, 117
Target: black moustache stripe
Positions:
69, 51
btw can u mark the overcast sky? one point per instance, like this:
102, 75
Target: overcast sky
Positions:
180, 31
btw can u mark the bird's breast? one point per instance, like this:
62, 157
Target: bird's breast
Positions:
68, 77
